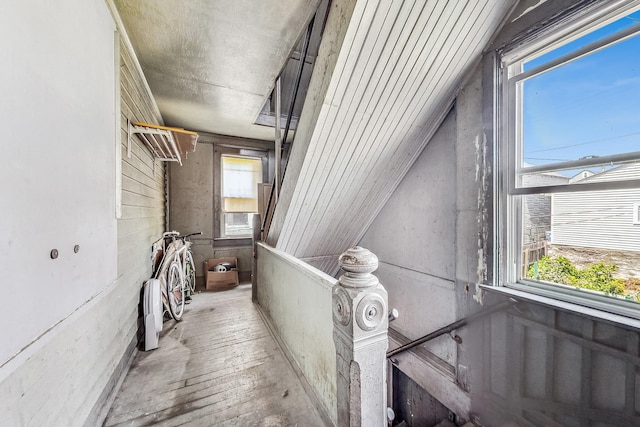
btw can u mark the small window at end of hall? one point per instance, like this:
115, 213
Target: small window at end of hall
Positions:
240, 178
570, 161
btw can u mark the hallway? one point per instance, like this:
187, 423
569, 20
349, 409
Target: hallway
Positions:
219, 366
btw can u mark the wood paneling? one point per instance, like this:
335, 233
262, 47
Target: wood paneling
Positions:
399, 68
143, 193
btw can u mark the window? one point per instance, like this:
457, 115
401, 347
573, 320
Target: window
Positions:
570, 162
240, 178
636, 213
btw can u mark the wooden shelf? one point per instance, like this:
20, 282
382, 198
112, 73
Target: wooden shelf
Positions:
167, 144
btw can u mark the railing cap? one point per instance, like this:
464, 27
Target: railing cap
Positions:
358, 260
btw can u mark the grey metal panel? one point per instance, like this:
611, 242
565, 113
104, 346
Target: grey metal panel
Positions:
563, 369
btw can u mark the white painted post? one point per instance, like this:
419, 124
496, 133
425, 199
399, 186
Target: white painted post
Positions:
360, 326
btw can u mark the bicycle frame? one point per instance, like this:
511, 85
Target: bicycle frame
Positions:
174, 252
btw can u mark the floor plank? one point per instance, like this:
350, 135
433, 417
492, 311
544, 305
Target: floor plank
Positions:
219, 366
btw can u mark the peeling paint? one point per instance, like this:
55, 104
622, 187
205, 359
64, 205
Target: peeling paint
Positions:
525, 7
478, 156
482, 177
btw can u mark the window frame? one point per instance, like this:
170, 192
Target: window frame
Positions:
508, 146
636, 213
222, 209
238, 150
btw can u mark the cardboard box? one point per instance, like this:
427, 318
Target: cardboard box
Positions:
218, 281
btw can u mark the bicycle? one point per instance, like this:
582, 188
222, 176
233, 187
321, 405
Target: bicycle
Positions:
178, 271
189, 270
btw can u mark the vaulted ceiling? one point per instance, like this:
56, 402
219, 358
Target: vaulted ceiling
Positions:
397, 74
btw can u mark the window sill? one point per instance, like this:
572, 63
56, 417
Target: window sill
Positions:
629, 319
231, 241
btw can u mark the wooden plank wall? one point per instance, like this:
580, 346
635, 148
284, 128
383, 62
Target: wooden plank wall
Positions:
142, 221
143, 188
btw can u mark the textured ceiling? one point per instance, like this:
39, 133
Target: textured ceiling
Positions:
211, 64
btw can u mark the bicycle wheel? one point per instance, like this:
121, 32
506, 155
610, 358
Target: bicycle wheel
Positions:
175, 291
189, 273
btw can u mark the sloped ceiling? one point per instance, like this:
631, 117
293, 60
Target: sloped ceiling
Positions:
397, 73
211, 64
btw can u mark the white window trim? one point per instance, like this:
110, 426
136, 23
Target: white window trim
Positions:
509, 216
585, 307
636, 214
223, 234
117, 125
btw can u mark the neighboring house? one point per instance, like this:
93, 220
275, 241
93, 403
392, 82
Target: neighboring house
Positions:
604, 219
537, 207
581, 175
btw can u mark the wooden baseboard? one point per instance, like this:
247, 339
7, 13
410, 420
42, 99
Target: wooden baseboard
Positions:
99, 412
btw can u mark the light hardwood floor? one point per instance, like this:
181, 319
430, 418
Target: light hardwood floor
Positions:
220, 366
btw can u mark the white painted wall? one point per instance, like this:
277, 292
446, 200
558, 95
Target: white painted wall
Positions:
415, 239
58, 179
418, 270
297, 298
58, 188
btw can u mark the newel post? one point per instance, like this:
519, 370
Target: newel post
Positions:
360, 326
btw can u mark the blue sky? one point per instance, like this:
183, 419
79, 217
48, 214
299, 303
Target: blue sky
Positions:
590, 106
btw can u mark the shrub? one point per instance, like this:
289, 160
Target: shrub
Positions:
553, 269
597, 277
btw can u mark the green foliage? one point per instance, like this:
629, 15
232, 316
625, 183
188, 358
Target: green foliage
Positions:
553, 269
597, 277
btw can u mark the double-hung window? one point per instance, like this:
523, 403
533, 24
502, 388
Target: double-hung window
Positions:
240, 178
569, 161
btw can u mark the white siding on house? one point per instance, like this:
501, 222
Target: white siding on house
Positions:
598, 219
580, 176
620, 173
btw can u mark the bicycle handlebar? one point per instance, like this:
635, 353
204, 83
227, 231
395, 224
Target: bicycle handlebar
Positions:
189, 235
176, 235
